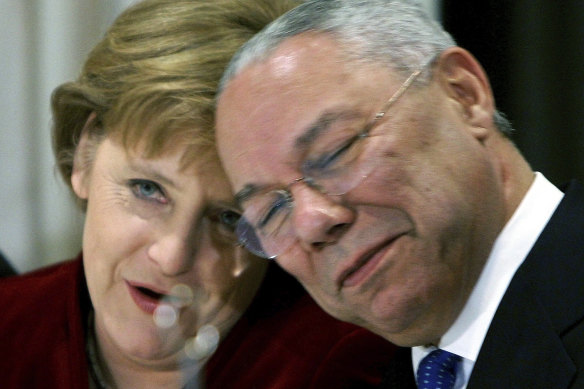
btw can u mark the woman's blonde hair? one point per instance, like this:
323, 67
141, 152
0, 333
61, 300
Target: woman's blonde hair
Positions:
151, 80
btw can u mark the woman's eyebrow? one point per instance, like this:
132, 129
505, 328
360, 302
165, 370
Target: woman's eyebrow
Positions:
151, 172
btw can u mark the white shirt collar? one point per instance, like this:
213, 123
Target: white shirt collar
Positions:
465, 337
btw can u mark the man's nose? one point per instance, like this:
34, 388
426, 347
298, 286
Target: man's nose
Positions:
319, 219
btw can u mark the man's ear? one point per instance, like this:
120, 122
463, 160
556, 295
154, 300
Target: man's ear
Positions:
83, 159
465, 81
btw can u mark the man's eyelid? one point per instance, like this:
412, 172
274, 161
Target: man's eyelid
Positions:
251, 193
314, 165
272, 211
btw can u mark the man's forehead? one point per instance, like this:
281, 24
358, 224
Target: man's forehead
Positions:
286, 74
293, 58
305, 48
268, 110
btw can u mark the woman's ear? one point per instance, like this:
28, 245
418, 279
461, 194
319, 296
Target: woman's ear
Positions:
465, 81
83, 159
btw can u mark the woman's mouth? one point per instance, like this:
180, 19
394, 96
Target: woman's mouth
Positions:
145, 298
150, 293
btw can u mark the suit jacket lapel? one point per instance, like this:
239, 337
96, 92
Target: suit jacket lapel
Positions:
523, 347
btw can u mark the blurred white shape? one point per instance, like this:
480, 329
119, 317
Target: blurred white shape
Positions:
184, 293
204, 344
165, 316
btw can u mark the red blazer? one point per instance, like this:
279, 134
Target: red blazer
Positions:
283, 341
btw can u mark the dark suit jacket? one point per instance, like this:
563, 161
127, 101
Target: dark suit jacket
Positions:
536, 339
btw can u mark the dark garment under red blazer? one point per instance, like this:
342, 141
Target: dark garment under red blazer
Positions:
284, 341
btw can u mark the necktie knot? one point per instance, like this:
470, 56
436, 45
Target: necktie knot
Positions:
437, 370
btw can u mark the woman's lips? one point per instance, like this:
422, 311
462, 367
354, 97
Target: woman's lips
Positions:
146, 299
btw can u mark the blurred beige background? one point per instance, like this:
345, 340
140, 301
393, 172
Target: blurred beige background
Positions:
43, 43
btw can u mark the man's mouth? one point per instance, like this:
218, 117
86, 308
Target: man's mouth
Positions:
364, 266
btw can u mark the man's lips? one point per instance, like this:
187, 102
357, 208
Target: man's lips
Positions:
363, 265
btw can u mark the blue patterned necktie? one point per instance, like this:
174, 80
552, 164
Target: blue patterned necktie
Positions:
437, 370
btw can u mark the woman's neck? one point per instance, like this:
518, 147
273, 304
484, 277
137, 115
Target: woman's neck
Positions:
110, 369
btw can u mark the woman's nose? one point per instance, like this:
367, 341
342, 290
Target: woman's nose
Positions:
174, 251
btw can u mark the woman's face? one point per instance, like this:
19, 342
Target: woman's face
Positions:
159, 254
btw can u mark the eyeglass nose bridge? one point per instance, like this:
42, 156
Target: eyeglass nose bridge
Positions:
316, 188
327, 187
310, 182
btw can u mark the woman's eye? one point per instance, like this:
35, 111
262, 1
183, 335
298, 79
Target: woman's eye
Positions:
226, 218
148, 190
229, 219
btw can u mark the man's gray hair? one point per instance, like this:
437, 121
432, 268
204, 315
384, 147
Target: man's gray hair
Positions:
396, 33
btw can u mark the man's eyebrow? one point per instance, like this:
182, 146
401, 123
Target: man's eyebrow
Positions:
323, 124
246, 193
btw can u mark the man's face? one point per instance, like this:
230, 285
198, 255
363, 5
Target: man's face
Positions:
401, 251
